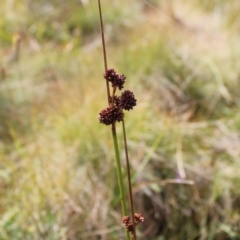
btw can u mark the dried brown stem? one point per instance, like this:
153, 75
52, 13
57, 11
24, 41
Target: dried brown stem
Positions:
103, 47
129, 181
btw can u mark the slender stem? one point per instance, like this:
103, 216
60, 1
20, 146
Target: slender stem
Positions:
114, 133
103, 47
119, 172
129, 180
120, 176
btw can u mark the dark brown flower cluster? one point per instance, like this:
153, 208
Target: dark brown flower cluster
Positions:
127, 100
138, 218
117, 104
116, 79
107, 115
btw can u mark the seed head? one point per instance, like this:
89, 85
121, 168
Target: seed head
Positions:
116, 79
138, 217
128, 100
110, 74
126, 220
110, 115
129, 227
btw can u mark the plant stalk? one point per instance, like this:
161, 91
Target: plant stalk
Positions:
129, 180
114, 133
103, 47
119, 171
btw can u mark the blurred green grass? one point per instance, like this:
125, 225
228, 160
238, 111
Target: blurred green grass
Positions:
57, 170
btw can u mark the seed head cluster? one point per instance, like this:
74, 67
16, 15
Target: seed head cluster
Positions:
110, 114
126, 220
127, 100
116, 79
117, 104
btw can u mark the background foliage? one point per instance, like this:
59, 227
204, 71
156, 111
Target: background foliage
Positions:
57, 170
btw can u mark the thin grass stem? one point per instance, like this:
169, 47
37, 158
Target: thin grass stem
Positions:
114, 133
120, 175
119, 171
129, 180
103, 46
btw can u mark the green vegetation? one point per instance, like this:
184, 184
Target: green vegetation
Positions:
57, 168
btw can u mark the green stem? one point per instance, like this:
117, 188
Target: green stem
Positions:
120, 175
114, 133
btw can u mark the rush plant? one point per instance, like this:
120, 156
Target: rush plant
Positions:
113, 113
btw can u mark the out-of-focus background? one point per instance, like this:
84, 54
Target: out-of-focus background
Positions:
57, 168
